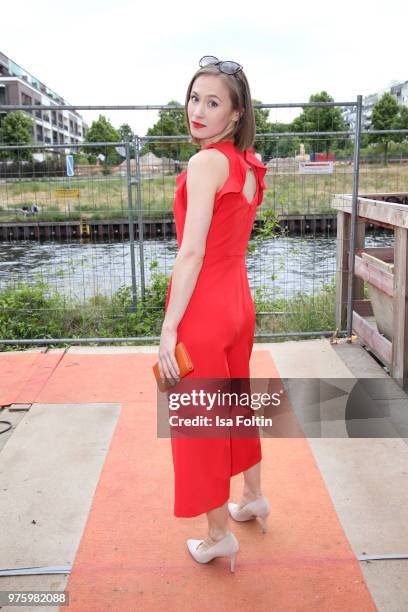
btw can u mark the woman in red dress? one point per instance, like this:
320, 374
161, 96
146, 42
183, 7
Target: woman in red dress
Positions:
209, 305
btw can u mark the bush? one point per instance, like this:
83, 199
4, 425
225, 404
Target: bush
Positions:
32, 311
32, 169
28, 312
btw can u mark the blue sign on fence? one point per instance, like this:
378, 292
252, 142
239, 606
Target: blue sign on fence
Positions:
70, 165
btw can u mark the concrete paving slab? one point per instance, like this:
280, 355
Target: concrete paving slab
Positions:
110, 350
306, 359
49, 470
13, 417
367, 479
354, 470
41, 349
359, 361
368, 482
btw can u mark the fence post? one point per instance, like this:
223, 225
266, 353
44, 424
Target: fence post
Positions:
354, 203
131, 233
140, 215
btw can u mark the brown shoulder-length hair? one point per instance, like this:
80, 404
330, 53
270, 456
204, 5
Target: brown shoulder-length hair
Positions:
244, 131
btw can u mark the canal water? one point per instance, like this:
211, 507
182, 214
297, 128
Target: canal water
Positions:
282, 266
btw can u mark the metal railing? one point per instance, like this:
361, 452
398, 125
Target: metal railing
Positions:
136, 192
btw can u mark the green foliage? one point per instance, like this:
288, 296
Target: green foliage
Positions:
147, 318
173, 123
16, 129
80, 157
262, 126
320, 119
269, 228
28, 312
385, 111
34, 312
298, 314
170, 123
285, 146
400, 122
126, 135
102, 130
384, 117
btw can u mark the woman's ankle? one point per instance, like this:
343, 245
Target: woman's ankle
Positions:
249, 496
215, 535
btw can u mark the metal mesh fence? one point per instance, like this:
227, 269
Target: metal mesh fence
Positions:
89, 256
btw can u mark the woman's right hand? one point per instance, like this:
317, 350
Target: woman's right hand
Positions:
168, 365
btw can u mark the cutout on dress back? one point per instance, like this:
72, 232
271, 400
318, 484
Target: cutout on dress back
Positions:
249, 188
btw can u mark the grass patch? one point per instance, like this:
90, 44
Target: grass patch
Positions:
33, 311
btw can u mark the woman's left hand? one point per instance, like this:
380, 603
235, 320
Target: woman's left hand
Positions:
167, 360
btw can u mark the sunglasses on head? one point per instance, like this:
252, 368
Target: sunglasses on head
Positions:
226, 66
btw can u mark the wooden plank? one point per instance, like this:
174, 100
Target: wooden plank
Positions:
363, 307
400, 319
379, 278
384, 253
372, 210
342, 245
375, 260
358, 283
370, 336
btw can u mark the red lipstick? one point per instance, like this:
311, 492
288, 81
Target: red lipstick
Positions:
197, 125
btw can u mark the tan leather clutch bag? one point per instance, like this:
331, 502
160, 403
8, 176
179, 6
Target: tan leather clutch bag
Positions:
183, 361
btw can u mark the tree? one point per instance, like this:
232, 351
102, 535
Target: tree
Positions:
284, 146
320, 119
384, 117
400, 122
262, 125
173, 123
170, 123
126, 135
102, 130
17, 128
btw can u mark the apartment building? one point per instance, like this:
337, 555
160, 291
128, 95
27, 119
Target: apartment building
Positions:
398, 90
17, 86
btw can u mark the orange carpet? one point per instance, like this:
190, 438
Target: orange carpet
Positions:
23, 375
132, 554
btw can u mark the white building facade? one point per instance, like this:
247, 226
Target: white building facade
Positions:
19, 87
398, 90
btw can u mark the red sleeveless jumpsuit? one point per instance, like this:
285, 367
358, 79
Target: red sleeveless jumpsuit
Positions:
218, 331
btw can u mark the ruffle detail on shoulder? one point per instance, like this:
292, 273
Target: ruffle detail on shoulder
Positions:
261, 169
239, 167
239, 162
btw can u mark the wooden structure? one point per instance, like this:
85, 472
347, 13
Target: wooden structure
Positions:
388, 210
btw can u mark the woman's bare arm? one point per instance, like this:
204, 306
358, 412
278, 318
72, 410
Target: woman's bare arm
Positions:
205, 173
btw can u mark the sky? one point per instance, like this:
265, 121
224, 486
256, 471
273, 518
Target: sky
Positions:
121, 52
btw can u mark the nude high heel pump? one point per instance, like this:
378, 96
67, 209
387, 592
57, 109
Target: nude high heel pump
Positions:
258, 508
226, 547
